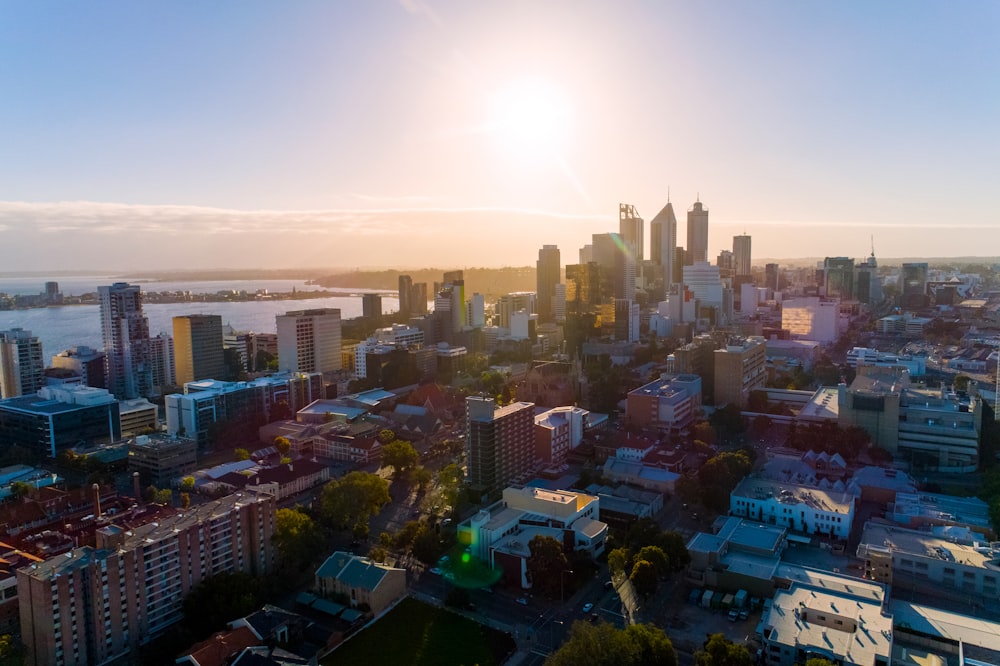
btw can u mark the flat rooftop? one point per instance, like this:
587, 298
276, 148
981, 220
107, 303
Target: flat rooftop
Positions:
822, 406
832, 582
951, 627
793, 494
917, 543
805, 617
751, 534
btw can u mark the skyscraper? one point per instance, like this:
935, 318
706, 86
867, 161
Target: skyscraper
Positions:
612, 254
198, 348
22, 370
838, 274
125, 331
309, 340
697, 233
741, 255
630, 227
405, 294
771, 276
547, 276
663, 241
371, 307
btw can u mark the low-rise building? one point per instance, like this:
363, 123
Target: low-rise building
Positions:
668, 403
161, 460
907, 558
805, 509
640, 474
54, 419
558, 431
502, 533
362, 582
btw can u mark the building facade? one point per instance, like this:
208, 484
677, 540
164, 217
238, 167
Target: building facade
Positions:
740, 367
125, 332
697, 233
198, 348
22, 368
500, 442
309, 340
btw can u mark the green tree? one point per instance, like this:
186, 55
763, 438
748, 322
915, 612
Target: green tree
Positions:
187, 484
675, 548
654, 555
546, 565
385, 435
296, 537
719, 475
164, 497
818, 661
353, 499
602, 644
619, 561
19, 489
450, 479
643, 578
283, 445
422, 477
400, 456
241, 454
216, 600
720, 651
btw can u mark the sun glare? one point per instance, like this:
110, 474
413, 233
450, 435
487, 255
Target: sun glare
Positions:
532, 118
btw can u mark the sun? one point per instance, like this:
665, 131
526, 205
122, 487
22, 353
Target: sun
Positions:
531, 117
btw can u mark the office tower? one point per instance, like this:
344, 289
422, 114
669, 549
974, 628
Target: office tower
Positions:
548, 271
405, 294
371, 307
697, 233
680, 261
84, 361
612, 254
22, 370
630, 227
516, 301
771, 275
52, 294
913, 285
98, 604
198, 348
451, 298
727, 264
476, 315
500, 442
559, 304
125, 332
418, 299
868, 284
587, 285
838, 277
811, 318
161, 362
741, 255
703, 280
587, 254
663, 241
309, 340
740, 367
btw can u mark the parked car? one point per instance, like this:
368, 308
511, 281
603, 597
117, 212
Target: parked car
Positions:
744, 614
587, 607
734, 615
522, 601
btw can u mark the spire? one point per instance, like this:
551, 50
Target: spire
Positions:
668, 194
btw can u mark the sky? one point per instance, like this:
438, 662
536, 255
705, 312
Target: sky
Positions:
350, 134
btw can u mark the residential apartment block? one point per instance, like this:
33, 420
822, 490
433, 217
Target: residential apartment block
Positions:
94, 605
670, 402
500, 442
22, 370
740, 367
799, 508
309, 340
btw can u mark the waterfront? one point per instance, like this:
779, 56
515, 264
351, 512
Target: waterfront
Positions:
59, 328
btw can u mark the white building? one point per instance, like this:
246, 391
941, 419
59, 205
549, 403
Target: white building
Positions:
799, 508
702, 279
501, 534
522, 325
508, 304
309, 340
811, 318
558, 431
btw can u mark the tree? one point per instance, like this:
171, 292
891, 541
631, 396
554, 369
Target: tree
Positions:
241, 454
216, 600
187, 484
654, 555
422, 477
619, 561
675, 548
818, 661
643, 578
720, 651
185, 500
353, 499
400, 456
283, 445
546, 565
385, 435
450, 478
164, 497
719, 475
296, 537
602, 644
19, 489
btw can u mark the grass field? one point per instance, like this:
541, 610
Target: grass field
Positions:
415, 634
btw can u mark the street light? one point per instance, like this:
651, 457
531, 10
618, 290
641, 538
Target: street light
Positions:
562, 585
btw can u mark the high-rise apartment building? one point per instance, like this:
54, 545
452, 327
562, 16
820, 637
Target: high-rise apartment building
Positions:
741, 255
548, 274
740, 367
727, 264
513, 302
161, 362
663, 241
84, 361
309, 340
198, 348
418, 299
697, 233
771, 277
98, 605
22, 370
500, 442
125, 332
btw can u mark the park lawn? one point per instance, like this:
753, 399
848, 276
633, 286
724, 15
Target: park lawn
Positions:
416, 634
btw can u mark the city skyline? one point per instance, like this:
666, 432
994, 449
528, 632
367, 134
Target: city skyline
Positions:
361, 135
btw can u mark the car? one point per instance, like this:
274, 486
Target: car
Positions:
734, 615
444, 560
437, 571
744, 614
587, 607
608, 584
522, 601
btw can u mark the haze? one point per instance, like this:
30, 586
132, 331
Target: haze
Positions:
349, 134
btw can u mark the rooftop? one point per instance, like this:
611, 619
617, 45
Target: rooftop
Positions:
794, 494
917, 543
823, 405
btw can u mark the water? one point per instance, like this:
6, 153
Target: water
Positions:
60, 328
87, 284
